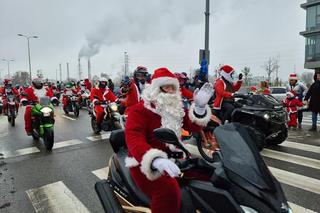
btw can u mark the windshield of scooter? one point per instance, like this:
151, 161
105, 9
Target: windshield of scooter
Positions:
45, 101
240, 157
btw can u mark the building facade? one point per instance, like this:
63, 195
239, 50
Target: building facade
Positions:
312, 34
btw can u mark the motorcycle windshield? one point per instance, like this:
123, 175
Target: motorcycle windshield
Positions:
45, 101
240, 157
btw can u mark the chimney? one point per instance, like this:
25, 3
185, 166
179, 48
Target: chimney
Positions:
79, 67
89, 69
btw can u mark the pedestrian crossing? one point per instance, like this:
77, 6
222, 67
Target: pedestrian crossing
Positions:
307, 121
49, 197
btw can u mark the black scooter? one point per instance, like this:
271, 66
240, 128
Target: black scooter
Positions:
239, 181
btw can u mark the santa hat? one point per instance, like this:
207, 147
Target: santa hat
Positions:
293, 76
290, 94
163, 76
226, 72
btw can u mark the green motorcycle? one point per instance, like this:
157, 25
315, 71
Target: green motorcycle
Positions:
43, 122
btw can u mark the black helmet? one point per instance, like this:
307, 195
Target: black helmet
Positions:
37, 83
140, 74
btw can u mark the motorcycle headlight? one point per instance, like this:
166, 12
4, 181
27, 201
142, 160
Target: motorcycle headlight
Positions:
266, 116
114, 107
46, 111
247, 209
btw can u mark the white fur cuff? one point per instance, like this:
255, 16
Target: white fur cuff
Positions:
147, 160
200, 121
131, 162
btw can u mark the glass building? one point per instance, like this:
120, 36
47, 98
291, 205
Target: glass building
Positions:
312, 34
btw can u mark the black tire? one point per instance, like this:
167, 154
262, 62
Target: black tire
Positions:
0, 110
76, 110
95, 127
65, 111
257, 136
48, 138
13, 117
280, 138
117, 125
35, 137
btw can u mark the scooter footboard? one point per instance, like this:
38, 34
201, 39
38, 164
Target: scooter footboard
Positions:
107, 198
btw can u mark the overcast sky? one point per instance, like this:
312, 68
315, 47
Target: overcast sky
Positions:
157, 33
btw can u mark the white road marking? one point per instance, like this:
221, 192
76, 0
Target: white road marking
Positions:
304, 161
67, 117
101, 173
55, 197
66, 143
20, 152
100, 137
301, 146
296, 180
299, 209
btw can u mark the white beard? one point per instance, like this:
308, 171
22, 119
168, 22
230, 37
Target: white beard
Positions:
40, 92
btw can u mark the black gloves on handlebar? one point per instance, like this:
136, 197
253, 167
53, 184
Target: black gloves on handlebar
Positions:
240, 76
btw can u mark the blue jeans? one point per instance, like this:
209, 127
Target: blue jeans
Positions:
314, 118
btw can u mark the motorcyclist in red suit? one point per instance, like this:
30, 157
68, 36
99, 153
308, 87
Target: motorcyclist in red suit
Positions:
7, 87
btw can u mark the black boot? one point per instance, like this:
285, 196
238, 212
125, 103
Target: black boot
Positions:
313, 128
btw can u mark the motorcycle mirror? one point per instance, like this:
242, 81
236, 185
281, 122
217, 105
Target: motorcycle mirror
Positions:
168, 136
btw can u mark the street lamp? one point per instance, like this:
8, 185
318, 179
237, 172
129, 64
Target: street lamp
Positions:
8, 63
28, 38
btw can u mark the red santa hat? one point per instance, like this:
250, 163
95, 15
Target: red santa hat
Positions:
226, 71
163, 76
290, 94
293, 76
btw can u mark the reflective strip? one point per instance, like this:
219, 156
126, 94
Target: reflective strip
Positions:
297, 181
20, 152
301, 146
55, 197
101, 173
99, 137
303, 161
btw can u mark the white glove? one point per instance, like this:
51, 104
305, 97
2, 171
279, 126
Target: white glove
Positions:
201, 98
163, 164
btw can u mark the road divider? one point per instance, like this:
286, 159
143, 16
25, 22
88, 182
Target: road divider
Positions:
66, 143
55, 197
20, 152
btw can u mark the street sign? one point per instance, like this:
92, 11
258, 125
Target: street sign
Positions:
203, 54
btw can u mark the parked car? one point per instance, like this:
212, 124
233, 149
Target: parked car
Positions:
278, 93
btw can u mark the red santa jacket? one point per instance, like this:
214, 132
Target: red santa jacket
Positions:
87, 84
34, 94
143, 147
186, 93
98, 94
221, 93
14, 91
292, 105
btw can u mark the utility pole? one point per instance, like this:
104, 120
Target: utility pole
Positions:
68, 77
60, 68
79, 68
207, 14
126, 63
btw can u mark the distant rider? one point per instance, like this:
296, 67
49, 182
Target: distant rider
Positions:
8, 88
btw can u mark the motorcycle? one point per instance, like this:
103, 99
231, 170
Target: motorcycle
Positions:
43, 122
55, 99
73, 105
263, 115
237, 181
85, 99
1, 104
11, 109
112, 119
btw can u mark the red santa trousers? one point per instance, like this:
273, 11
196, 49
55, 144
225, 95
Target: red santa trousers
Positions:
293, 119
99, 113
65, 101
27, 119
164, 191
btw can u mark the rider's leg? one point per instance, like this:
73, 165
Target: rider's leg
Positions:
27, 120
227, 109
99, 113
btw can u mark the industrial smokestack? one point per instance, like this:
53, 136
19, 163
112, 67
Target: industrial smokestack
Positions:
79, 67
89, 69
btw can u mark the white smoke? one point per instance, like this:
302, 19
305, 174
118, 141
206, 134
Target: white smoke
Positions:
142, 21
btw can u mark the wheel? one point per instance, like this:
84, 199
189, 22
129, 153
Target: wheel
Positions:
280, 138
257, 136
0, 110
13, 117
35, 137
76, 110
48, 138
95, 127
117, 125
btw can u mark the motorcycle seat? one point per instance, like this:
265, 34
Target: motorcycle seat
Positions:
124, 172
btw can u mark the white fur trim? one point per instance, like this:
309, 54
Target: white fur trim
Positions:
23, 99
131, 162
158, 82
200, 121
147, 160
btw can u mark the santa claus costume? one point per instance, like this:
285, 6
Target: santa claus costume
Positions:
292, 103
147, 158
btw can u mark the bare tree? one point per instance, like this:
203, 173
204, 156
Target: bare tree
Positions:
307, 78
247, 75
270, 67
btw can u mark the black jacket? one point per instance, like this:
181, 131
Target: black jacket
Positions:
314, 95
